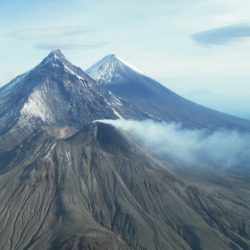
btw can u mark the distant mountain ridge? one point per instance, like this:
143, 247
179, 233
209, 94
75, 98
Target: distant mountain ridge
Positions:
159, 102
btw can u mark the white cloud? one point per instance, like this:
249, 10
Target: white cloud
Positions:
48, 32
222, 35
70, 45
223, 148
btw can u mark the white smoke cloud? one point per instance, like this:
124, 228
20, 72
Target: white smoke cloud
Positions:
223, 148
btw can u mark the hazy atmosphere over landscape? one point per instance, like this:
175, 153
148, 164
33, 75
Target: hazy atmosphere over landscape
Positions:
124, 125
190, 46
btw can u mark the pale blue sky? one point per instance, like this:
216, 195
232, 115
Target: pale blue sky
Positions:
185, 44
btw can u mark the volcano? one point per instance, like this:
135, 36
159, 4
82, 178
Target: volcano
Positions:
100, 190
123, 80
59, 96
69, 181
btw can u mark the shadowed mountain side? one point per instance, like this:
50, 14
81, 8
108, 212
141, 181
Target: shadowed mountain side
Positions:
100, 190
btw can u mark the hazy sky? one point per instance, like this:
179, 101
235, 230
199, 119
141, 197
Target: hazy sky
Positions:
185, 44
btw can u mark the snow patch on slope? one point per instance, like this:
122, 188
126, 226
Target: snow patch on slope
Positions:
108, 68
73, 73
117, 114
36, 106
115, 103
129, 65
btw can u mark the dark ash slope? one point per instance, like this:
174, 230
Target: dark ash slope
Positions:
99, 190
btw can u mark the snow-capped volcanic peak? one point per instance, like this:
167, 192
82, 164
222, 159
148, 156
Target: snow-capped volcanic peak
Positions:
55, 56
54, 65
56, 59
110, 67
